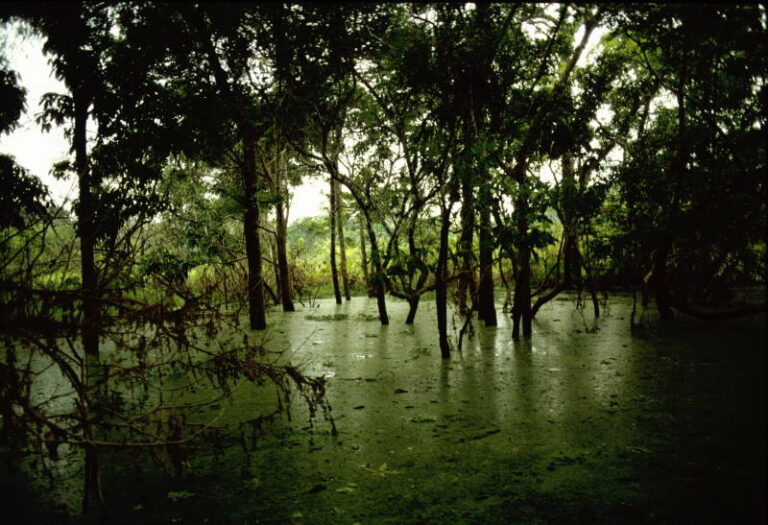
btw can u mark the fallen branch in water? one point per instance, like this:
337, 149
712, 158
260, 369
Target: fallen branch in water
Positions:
479, 436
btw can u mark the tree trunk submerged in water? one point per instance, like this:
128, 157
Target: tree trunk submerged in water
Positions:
413, 306
521, 310
414, 299
334, 269
363, 254
342, 242
256, 311
92, 493
485, 299
281, 227
467, 283
441, 285
377, 277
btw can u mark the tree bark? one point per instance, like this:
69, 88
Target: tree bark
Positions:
251, 218
413, 307
571, 268
256, 311
441, 284
281, 228
415, 297
342, 242
334, 270
276, 299
467, 283
363, 254
521, 310
86, 231
486, 306
377, 278
92, 494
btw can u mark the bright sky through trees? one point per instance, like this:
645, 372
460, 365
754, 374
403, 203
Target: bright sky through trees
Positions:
37, 150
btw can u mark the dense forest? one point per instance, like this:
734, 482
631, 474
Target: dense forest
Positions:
481, 163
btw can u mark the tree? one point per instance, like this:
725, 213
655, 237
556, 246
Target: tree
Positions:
555, 62
136, 130
696, 170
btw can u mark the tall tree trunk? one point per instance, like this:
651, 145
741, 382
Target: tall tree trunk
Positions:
276, 299
377, 278
414, 299
441, 284
92, 494
334, 270
281, 228
251, 218
342, 242
521, 310
486, 306
590, 283
467, 283
270, 292
413, 307
282, 58
86, 230
256, 311
571, 266
363, 254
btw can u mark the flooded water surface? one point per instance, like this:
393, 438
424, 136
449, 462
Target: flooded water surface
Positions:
586, 423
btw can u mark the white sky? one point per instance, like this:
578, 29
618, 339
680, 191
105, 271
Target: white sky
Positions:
33, 149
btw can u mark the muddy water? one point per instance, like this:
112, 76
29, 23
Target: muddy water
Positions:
585, 423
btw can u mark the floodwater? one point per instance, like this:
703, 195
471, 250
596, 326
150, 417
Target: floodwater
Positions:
586, 423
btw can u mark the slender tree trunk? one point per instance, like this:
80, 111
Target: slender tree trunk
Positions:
467, 284
86, 230
281, 165
92, 494
281, 227
522, 306
377, 279
276, 299
256, 311
413, 300
251, 218
413, 306
590, 283
271, 293
571, 267
363, 254
334, 270
342, 242
486, 306
441, 284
